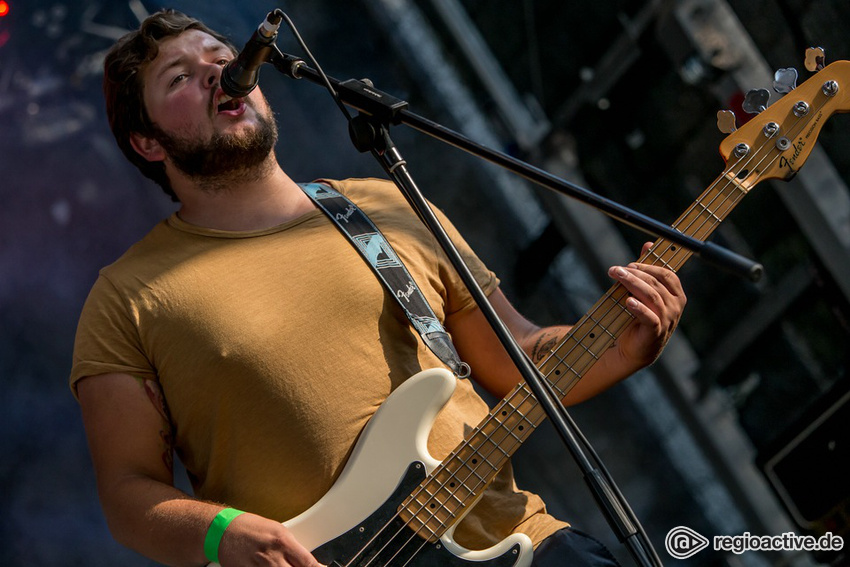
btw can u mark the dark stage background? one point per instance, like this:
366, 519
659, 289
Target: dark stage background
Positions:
740, 427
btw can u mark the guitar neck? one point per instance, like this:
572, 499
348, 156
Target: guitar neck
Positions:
773, 147
599, 328
460, 478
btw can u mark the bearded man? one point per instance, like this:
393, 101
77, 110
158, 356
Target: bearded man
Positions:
246, 334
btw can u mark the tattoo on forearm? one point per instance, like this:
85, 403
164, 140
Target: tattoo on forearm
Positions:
166, 434
167, 449
546, 342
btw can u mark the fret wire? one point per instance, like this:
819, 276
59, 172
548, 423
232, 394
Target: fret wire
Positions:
451, 494
434, 511
497, 447
710, 212
602, 326
478, 451
714, 193
557, 389
492, 466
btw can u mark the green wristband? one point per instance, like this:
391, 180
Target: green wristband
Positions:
216, 531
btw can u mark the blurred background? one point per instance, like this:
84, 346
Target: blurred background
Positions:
741, 426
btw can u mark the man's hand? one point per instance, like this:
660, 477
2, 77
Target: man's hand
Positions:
658, 304
657, 301
254, 540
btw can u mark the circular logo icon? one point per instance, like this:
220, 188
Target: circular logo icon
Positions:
683, 542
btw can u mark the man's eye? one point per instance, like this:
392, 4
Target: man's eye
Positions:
178, 78
223, 62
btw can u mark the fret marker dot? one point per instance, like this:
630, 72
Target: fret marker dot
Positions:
521, 427
592, 335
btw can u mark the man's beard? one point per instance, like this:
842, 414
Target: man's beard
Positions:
223, 160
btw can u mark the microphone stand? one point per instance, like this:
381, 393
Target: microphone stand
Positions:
369, 131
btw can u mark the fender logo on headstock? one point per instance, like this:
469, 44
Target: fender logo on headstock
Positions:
799, 146
777, 143
789, 163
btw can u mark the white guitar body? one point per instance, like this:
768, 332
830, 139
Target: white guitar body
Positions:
393, 440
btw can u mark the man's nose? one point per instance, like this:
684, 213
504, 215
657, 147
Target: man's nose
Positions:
213, 75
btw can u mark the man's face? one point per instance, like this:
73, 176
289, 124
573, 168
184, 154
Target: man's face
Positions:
202, 132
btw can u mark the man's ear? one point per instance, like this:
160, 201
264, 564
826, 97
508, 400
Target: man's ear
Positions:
146, 147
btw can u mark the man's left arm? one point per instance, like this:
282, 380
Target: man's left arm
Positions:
656, 301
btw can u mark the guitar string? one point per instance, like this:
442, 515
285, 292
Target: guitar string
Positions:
652, 252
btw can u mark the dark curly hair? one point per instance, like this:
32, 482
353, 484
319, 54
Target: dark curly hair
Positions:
123, 86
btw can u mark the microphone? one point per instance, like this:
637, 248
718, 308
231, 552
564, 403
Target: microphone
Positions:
241, 75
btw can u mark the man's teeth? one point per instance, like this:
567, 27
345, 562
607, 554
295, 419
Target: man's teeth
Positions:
227, 102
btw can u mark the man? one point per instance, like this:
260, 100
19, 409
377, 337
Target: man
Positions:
245, 333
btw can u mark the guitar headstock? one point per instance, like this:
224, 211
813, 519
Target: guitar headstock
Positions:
777, 141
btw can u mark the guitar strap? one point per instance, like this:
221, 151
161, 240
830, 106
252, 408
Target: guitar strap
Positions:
386, 264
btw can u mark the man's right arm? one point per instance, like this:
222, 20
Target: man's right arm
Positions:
129, 438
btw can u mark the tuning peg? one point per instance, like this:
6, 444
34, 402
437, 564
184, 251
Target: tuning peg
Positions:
815, 59
726, 121
785, 80
755, 101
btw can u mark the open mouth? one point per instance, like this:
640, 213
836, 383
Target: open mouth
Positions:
228, 104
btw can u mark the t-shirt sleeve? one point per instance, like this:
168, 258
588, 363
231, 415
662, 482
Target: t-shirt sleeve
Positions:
107, 337
458, 297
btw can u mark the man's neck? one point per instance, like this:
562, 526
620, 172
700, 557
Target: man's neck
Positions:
246, 204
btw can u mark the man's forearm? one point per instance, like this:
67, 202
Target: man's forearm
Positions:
158, 520
170, 527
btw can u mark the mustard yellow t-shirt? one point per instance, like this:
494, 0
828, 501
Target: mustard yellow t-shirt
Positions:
274, 348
